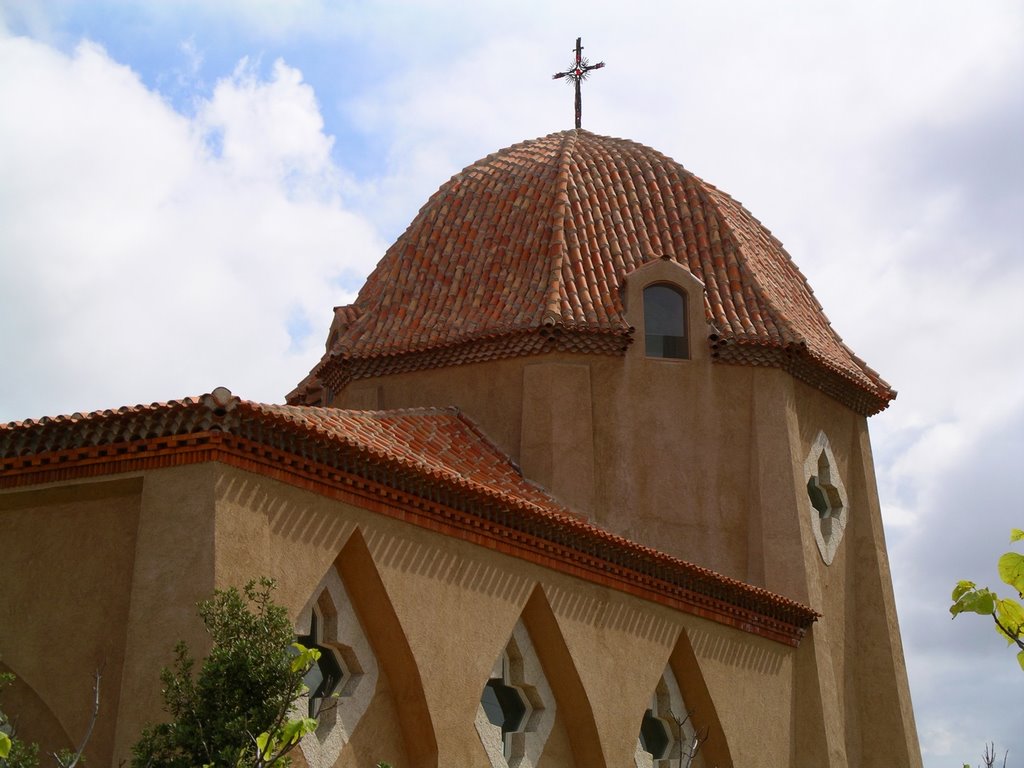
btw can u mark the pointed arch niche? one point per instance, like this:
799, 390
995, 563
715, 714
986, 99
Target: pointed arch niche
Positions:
343, 682
682, 695
667, 733
827, 503
517, 709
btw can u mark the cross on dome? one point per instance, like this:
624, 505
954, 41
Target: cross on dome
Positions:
577, 72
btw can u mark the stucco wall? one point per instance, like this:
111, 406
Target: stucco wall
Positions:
437, 613
65, 575
706, 461
446, 609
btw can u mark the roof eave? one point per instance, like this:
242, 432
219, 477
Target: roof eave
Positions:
214, 428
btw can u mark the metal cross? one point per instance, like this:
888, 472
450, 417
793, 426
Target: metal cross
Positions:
576, 73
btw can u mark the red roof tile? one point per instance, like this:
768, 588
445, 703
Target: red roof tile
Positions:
438, 455
542, 234
438, 442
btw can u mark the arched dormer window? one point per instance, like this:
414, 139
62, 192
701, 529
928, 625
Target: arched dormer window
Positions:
665, 322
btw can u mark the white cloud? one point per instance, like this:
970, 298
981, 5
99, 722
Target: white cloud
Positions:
141, 260
269, 131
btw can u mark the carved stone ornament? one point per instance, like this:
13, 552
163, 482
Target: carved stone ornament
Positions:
826, 498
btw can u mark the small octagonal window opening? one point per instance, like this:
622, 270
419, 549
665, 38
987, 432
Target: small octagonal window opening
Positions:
667, 738
516, 710
504, 705
654, 736
325, 677
824, 496
665, 333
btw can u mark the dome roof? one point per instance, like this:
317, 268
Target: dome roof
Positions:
526, 251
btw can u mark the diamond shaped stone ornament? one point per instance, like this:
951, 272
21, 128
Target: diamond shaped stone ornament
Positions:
827, 504
517, 709
667, 738
347, 677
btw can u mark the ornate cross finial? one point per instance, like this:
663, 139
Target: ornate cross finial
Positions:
576, 73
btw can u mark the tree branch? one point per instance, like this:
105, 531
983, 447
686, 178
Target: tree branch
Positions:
1013, 636
76, 758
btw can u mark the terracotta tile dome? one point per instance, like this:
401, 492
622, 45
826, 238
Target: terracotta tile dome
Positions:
526, 251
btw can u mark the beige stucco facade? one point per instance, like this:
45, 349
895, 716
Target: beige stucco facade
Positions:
126, 560
708, 465
707, 462
582, 585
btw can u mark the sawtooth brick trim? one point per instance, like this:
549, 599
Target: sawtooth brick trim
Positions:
786, 624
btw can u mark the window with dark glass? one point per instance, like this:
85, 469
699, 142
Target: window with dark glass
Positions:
503, 705
654, 736
324, 677
665, 322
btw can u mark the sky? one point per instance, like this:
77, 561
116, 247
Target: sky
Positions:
188, 187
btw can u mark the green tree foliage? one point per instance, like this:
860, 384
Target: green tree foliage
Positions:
14, 752
1007, 613
237, 711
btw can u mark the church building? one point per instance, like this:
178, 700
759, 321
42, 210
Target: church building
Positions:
582, 480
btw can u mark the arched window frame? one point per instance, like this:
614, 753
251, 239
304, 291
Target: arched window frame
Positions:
657, 343
666, 271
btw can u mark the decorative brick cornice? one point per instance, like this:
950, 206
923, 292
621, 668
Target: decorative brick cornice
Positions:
335, 371
801, 363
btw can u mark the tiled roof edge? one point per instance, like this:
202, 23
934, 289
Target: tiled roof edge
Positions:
803, 364
22, 443
337, 370
867, 397
882, 389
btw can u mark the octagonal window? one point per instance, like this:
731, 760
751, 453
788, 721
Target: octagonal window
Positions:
654, 736
667, 738
516, 710
827, 497
325, 677
504, 705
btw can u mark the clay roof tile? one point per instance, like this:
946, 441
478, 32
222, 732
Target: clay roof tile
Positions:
544, 232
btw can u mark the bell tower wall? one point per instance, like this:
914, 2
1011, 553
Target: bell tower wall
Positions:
723, 466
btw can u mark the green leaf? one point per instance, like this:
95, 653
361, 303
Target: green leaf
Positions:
5, 744
1020, 659
961, 588
1016, 534
981, 601
304, 657
1011, 570
1011, 615
262, 742
294, 730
